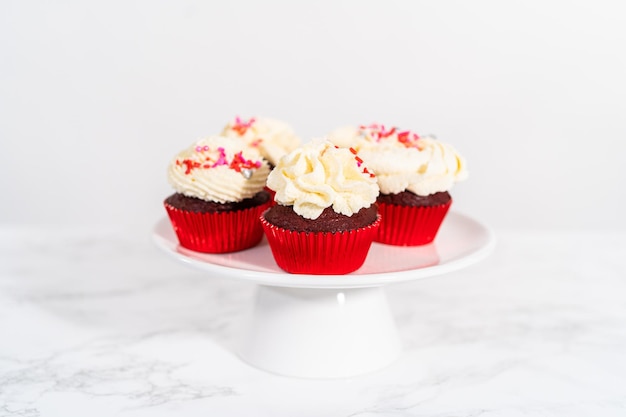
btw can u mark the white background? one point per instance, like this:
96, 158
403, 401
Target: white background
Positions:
96, 97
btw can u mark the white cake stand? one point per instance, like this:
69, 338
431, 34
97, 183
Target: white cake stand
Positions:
331, 326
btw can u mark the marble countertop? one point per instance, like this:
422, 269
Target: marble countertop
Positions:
101, 323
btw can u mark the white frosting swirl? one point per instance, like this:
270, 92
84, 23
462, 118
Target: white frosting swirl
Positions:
403, 161
273, 138
218, 169
318, 175
444, 167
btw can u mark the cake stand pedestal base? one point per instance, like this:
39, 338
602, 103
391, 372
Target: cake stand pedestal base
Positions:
331, 326
320, 332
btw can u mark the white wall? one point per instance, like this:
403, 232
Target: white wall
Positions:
96, 97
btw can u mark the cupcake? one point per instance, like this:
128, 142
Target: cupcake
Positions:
415, 175
325, 217
219, 184
272, 138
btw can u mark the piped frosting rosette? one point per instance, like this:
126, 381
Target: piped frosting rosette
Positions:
313, 178
218, 169
221, 177
320, 175
403, 160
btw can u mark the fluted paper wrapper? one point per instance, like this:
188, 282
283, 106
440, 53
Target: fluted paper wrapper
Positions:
320, 253
217, 232
410, 225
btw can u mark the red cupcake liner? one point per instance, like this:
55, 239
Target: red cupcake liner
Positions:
217, 232
410, 225
320, 253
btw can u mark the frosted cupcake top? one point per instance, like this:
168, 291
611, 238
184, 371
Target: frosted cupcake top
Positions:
318, 175
218, 169
403, 160
273, 138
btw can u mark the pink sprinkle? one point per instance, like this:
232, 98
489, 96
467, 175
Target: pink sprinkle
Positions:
222, 159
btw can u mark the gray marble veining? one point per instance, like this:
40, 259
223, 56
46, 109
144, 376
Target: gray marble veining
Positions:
100, 323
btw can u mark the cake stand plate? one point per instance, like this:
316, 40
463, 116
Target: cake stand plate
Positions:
331, 326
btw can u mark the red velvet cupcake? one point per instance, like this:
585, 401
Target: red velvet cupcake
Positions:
325, 217
219, 197
414, 174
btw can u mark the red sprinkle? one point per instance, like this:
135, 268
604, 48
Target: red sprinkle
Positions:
241, 126
189, 165
239, 162
408, 138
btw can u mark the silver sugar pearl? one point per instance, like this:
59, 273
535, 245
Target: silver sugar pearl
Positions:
247, 173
